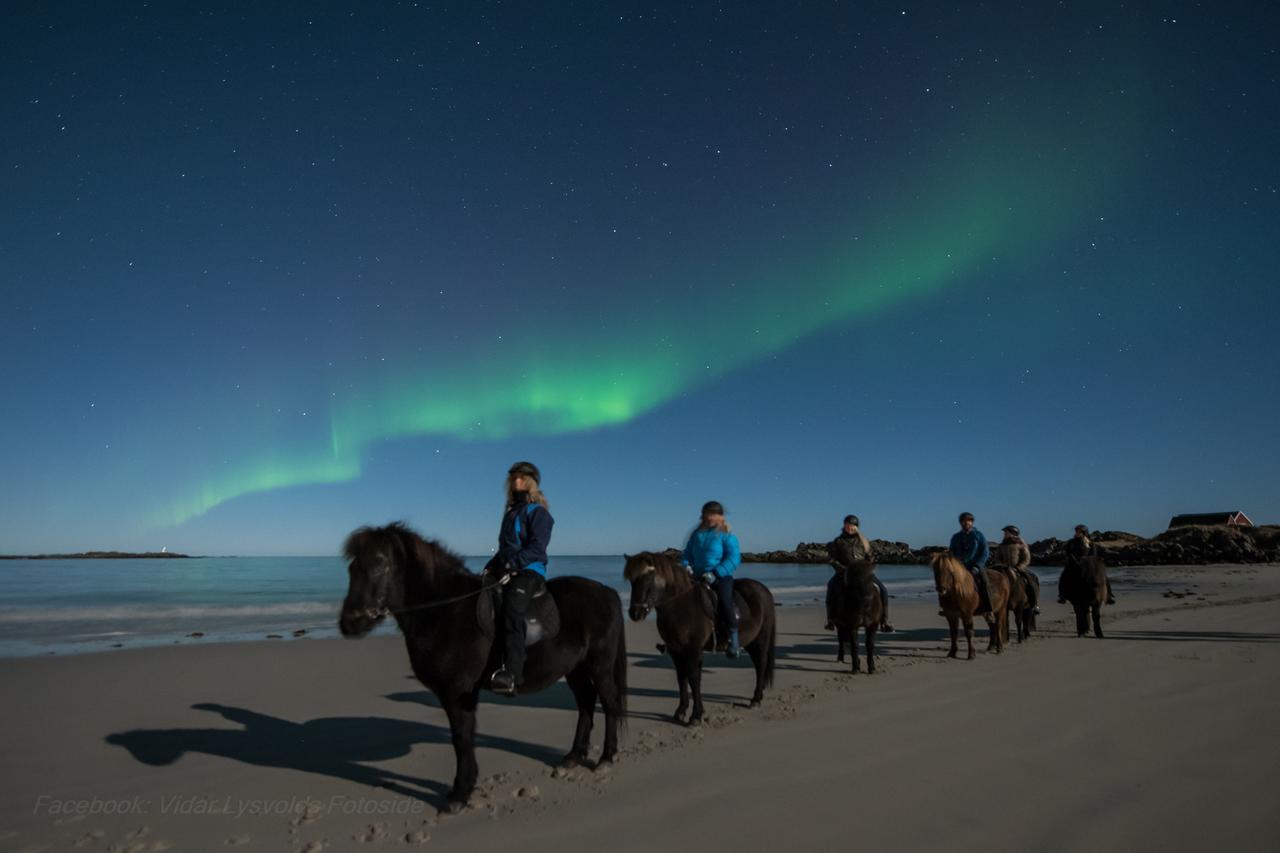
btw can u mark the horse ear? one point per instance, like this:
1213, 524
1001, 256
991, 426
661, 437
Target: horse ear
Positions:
626, 557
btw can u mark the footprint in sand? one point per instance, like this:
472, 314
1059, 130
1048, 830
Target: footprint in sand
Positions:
419, 837
76, 818
311, 847
91, 837
374, 832
237, 840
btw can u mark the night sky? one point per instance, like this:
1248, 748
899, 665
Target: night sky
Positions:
271, 271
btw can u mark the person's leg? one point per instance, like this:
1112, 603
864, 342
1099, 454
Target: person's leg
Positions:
884, 605
728, 615
833, 587
1062, 585
516, 596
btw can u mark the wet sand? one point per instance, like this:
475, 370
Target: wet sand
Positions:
1160, 736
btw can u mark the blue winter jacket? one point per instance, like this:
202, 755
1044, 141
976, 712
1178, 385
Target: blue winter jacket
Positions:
525, 535
970, 548
711, 550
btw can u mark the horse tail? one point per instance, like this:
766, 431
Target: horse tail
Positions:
772, 657
620, 666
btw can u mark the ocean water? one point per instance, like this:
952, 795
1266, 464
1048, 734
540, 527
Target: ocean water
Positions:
75, 606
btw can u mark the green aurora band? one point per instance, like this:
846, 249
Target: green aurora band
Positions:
1015, 193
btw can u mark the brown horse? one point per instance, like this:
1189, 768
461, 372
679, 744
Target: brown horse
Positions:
686, 622
1084, 583
857, 605
1018, 604
958, 598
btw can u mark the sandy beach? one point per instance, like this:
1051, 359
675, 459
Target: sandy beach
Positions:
1158, 737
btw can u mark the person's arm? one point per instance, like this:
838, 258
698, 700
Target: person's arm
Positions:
732, 557
983, 551
957, 547
1024, 556
535, 546
686, 558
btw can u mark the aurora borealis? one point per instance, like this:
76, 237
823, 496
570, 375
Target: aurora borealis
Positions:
272, 274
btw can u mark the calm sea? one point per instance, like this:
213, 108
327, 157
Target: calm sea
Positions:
73, 606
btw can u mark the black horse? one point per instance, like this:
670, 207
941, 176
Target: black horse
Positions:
1083, 583
438, 605
857, 605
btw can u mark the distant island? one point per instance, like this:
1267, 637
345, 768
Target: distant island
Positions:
100, 555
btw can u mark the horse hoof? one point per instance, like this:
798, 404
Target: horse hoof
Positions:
755, 703
569, 762
603, 767
454, 807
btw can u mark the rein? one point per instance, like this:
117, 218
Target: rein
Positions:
384, 610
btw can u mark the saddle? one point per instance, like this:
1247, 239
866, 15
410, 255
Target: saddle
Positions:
541, 622
719, 639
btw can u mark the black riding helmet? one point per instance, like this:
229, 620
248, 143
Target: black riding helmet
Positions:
712, 508
525, 469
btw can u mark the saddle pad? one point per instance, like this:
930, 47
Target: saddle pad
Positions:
542, 620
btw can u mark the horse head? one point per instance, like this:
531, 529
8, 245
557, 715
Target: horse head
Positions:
647, 582
944, 567
376, 557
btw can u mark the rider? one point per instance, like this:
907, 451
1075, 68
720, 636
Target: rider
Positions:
711, 555
851, 544
1015, 554
969, 546
1079, 547
522, 558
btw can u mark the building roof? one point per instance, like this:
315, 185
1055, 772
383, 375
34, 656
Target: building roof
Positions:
1235, 517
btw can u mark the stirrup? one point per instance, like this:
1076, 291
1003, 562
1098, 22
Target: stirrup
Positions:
503, 682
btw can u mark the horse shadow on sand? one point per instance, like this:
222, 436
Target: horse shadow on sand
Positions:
820, 648
328, 746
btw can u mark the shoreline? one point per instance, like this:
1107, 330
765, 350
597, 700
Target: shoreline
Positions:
270, 747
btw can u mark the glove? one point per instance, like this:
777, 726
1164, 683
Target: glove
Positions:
709, 578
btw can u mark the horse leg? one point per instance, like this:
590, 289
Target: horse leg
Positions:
584, 693
853, 647
682, 678
1018, 622
611, 699
842, 637
461, 711
1097, 621
695, 685
968, 635
871, 648
955, 628
993, 634
1082, 621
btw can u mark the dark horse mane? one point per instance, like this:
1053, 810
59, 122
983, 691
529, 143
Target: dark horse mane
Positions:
662, 562
434, 560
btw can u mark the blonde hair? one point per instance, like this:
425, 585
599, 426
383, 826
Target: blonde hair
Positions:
536, 495
723, 527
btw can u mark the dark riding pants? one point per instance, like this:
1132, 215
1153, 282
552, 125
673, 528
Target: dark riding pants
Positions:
517, 594
984, 594
723, 588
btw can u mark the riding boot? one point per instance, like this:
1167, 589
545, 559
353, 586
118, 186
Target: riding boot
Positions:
1111, 596
733, 649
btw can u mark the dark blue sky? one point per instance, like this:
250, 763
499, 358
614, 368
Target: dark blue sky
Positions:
271, 273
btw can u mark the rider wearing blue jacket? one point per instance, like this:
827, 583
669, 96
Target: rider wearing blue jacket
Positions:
522, 554
969, 546
712, 554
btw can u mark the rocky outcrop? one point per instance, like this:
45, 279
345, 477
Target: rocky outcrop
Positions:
887, 553
1190, 545
1178, 546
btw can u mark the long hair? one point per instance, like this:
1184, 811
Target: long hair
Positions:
863, 541
536, 495
723, 527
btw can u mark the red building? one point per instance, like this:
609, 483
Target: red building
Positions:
1235, 518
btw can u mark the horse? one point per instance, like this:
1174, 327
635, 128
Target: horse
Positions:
857, 605
686, 622
1032, 592
1019, 605
958, 597
452, 647
1084, 585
